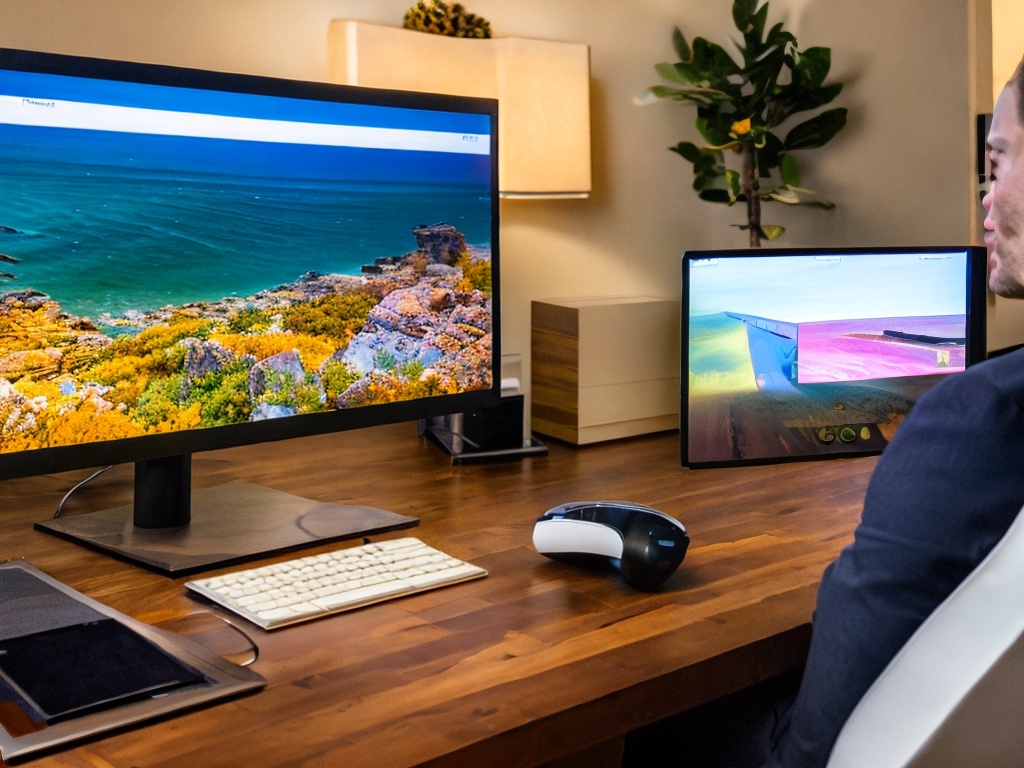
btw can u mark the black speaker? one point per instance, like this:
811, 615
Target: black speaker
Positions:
497, 428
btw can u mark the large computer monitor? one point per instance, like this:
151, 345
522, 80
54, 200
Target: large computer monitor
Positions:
813, 353
195, 260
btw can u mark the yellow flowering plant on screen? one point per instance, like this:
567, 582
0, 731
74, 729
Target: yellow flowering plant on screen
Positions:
744, 113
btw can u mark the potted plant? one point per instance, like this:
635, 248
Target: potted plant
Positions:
439, 18
743, 109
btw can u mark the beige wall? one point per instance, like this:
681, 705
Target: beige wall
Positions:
1007, 41
901, 171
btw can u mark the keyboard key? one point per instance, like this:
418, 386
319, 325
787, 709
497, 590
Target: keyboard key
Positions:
353, 598
438, 578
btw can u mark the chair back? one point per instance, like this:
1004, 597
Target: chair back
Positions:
954, 694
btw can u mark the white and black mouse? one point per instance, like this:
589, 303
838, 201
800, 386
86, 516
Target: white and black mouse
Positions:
647, 544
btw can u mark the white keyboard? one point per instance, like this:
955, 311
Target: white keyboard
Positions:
308, 587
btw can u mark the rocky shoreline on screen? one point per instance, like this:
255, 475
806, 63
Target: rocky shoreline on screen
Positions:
429, 318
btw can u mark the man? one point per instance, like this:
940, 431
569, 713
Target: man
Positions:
943, 494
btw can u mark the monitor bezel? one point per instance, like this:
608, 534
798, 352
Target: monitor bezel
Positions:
976, 293
149, 447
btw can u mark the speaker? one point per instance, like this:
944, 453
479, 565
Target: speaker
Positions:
497, 428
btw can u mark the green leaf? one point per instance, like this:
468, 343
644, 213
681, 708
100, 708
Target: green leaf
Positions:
778, 42
758, 22
808, 99
768, 155
784, 195
733, 181
789, 169
711, 133
692, 74
652, 94
812, 65
704, 96
795, 196
742, 10
712, 61
727, 111
780, 37
709, 163
775, 32
681, 47
673, 73
708, 172
688, 150
767, 55
763, 82
753, 32
772, 231
817, 131
703, 183
656, 92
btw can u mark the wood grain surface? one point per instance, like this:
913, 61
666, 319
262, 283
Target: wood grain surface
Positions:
537, 661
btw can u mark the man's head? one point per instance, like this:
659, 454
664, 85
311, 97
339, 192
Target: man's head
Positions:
1004, 203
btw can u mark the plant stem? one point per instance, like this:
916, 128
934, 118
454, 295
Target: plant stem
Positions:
750, 186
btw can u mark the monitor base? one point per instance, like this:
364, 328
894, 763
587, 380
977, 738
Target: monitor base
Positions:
230, 524
462, 453
489, 434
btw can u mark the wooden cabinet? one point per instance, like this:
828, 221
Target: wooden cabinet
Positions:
604, 368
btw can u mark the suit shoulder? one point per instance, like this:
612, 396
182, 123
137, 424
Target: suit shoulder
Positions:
1005, 372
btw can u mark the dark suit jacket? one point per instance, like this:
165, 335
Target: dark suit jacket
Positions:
944, 492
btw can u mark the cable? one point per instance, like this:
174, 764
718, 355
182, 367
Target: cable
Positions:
89, 479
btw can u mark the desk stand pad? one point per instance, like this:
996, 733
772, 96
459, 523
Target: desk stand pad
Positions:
71, 667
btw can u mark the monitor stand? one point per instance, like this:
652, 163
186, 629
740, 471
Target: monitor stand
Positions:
220, 526
488, 434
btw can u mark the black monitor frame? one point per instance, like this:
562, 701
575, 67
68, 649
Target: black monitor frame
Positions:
164, 502
975, 294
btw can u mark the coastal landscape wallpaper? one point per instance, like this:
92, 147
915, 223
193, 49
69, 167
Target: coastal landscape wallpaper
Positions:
154, 281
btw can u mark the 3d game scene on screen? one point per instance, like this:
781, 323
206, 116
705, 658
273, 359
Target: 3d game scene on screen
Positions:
794, 356
159, 277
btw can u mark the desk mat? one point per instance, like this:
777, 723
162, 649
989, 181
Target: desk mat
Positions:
72, 667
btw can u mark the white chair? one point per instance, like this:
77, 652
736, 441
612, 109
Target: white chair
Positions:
954, 694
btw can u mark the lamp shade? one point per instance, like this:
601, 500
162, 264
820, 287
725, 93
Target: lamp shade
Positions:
542, 88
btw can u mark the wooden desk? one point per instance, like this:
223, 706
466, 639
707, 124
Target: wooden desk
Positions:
538, 660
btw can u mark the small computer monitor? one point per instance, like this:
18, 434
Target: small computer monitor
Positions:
194, 260
812, 353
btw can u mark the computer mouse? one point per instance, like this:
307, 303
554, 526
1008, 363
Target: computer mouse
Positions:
647, 545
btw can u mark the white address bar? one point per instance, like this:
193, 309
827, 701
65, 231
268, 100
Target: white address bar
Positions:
50, 113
